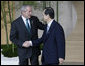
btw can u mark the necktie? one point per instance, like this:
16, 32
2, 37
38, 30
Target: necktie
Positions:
47, 28
27, 25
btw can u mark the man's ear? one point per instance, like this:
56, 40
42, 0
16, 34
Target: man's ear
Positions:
48, 15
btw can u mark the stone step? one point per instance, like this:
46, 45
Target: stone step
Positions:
75, 51
72, 63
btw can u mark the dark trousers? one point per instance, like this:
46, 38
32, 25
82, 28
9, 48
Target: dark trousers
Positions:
33, 61
44, 63
50, 64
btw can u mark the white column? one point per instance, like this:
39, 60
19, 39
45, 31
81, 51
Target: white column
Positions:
66, 16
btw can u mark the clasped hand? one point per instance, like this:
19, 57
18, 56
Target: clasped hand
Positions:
26, 44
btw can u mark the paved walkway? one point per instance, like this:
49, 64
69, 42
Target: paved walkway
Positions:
14, 61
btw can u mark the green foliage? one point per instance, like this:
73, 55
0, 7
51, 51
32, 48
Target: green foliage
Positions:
32, 3
29, 3
7, 51
57, 11
4, 19
44, 4
41, 46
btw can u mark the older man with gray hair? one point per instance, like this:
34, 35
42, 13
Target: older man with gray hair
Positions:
23, 29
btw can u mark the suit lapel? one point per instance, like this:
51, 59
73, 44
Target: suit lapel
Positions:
31, 23
51, 27
50, 30
23, 24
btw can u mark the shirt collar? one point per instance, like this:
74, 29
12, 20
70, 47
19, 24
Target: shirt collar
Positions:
49, 24
24, 19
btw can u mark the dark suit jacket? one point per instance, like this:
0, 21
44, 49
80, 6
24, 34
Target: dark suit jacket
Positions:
54, 44
19, 34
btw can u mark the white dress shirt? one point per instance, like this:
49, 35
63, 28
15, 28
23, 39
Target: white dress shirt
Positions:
24, 20
49, 24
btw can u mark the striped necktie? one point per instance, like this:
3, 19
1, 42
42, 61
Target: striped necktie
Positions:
27, 25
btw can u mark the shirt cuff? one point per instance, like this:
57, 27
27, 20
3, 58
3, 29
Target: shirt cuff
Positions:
30, 43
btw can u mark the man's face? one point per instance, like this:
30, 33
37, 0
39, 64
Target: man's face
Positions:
28, 12
46, 17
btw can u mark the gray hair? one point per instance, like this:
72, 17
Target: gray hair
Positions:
23, 8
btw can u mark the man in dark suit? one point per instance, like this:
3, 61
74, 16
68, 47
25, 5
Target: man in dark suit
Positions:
53, 39
23, 29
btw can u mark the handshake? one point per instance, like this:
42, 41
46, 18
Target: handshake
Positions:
27, 44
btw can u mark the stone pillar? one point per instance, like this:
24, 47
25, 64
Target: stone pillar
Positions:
66, 16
